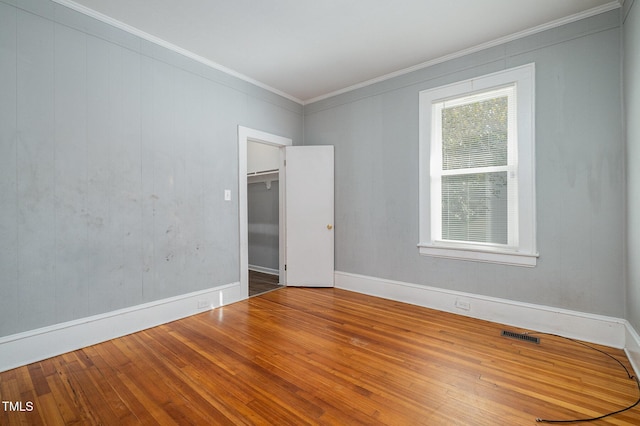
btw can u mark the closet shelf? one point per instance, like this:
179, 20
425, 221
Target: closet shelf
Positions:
263, 173
266, 176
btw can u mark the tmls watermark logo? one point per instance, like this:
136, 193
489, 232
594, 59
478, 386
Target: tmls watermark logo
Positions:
17, 406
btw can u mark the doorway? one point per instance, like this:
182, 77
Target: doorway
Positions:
265, 181
263, 227
305, 214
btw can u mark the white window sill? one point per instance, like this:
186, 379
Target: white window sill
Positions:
475, 254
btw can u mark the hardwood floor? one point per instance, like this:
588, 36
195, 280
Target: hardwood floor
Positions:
260, 282
322, 356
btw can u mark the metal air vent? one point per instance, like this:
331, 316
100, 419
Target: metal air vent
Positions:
521, 336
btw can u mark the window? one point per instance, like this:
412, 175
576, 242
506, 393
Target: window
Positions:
477, 164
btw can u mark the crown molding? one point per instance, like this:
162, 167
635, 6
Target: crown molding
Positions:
163, 43
615, 4
502, 40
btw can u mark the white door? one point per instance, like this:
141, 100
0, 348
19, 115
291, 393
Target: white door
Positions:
309, 216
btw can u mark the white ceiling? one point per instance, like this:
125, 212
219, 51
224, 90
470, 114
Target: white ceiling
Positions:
308, 49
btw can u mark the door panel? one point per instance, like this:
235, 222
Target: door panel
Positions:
309, 203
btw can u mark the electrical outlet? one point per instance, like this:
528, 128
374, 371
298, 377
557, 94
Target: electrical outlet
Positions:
463, 304
202, 303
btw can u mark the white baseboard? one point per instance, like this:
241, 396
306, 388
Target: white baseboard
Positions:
35, 345
598, 329
264, 270
632, 347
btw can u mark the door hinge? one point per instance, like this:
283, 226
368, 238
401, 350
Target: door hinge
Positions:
285, 267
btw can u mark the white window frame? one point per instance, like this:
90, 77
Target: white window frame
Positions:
521, 247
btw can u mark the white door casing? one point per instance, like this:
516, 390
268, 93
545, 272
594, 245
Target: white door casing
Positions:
246, 134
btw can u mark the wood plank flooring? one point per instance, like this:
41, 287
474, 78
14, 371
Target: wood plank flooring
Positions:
259, 283
300, 356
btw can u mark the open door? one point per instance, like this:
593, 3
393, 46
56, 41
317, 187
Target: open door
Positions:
309, 204
306, 207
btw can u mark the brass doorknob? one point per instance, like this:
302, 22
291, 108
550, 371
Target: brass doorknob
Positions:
329, 227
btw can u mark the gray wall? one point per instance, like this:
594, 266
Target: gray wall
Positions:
263, 219
114, 157
632, 112
114, 154
580, 172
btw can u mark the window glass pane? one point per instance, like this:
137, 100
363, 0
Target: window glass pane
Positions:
474, 208
475, 134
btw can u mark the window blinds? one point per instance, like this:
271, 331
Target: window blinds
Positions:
475, 167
